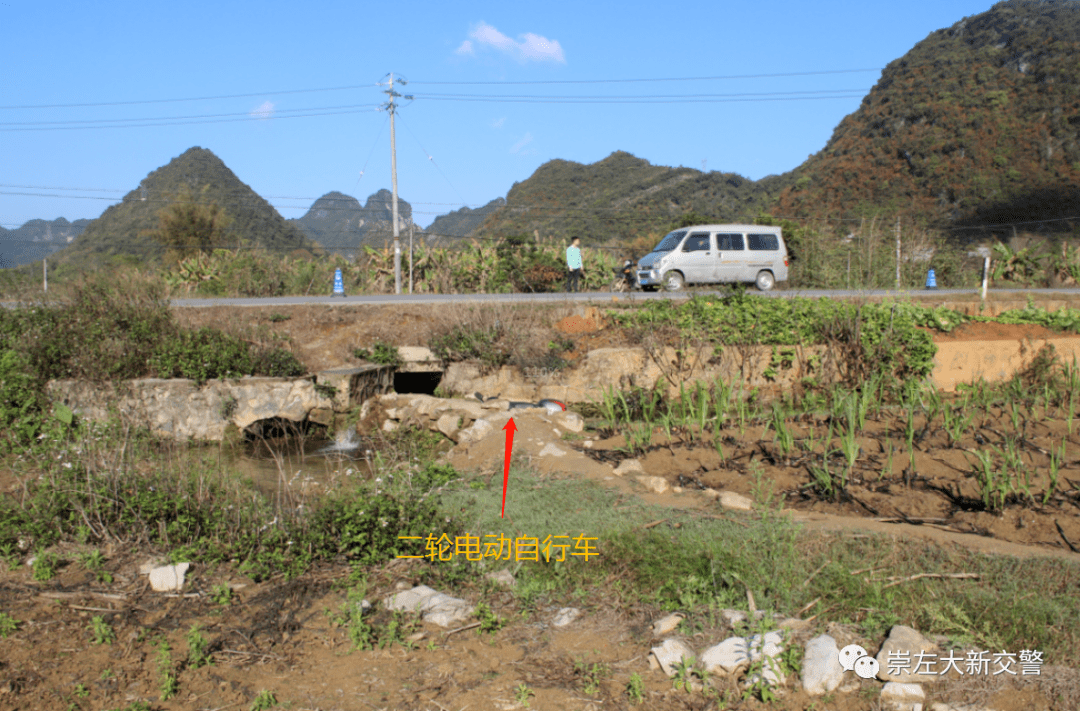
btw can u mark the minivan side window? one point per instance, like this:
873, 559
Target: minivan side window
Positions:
697, 242
729, 242
764, 243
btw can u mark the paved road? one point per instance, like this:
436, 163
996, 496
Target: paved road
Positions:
596, 296
590, 297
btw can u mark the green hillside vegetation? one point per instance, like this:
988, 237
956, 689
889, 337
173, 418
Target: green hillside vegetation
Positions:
124, 231
978, 123
621, 198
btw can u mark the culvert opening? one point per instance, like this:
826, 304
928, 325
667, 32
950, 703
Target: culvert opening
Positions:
422, 383
274, 428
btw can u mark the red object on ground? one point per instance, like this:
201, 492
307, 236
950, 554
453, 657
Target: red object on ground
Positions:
510, 428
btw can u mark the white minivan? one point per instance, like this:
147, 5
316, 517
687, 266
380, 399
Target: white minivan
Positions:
716, 254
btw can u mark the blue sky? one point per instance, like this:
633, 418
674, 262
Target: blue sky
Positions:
460, 150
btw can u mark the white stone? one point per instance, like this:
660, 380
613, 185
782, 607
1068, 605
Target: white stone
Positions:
472, 408
449, 613
728, 656
671, 654
738, 502
771, 645
389, 426
503, 577
551, 450
168, 578
821, 670
448, 424
629, 466
436, 607
565, 616
902, 641
412, 600
654, 483
571, 421
771, 674
476, 432
903, 697
667, 625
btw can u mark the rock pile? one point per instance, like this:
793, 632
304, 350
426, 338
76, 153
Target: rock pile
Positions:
463, 421
757, 660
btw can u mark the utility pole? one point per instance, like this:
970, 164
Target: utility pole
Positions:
898, 252
390, 106
45, 274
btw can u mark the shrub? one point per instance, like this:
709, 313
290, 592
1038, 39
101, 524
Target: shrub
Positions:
201, 355
468, 343
21, 401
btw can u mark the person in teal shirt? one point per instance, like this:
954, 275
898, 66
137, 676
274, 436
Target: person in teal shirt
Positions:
573, 265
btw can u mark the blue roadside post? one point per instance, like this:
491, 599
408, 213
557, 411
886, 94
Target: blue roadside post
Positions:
339, 284
931, 280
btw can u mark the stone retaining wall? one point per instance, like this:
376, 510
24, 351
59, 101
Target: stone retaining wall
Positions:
184, 409
623, 368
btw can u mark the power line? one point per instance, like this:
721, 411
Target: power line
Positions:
444, 83
184, 123
668, 79
643, 101
196, 98
635, 97
248, 114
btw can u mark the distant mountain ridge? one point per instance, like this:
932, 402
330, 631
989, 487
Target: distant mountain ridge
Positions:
37, 239
339, 223
462, 222
978, 124
121, 230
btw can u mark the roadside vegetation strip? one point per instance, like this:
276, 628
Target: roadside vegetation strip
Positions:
886, 339
111, 332
697, 564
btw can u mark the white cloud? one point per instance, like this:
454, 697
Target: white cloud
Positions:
498, 123
529, 47
264, 111
525, 140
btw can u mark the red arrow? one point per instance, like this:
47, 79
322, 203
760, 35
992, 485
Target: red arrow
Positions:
510, 428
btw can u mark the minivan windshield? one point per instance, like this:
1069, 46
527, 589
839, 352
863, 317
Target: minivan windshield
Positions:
670, 242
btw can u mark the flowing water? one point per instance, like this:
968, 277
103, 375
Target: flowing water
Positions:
303, 463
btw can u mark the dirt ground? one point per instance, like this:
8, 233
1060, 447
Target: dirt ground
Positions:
281, 636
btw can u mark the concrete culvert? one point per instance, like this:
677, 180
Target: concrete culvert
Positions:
420, 382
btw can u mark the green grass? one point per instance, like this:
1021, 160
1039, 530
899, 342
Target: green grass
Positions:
712, 563
99, 482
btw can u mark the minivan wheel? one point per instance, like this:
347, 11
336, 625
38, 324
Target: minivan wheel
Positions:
765, 281
673, 281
